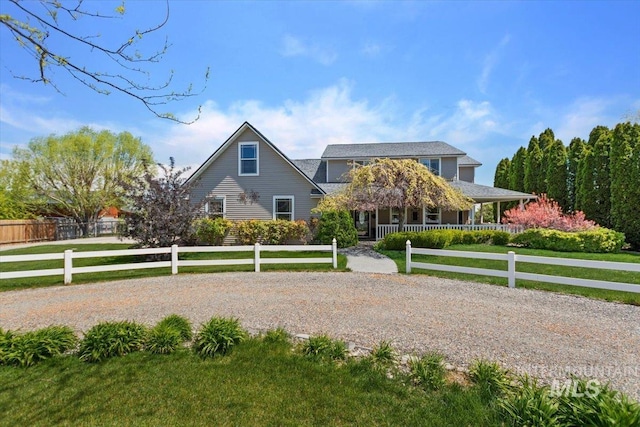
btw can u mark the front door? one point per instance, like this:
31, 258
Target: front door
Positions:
362, 219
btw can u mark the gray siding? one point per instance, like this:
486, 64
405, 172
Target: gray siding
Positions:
467, 174
449, 217
276, 177
337, 169
448, 167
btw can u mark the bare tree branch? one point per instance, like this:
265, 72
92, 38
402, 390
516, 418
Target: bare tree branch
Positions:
32, 29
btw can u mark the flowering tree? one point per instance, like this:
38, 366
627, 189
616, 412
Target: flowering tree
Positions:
546, 213
387, 183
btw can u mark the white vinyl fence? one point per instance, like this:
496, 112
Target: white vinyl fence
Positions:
512, 274
68, 256
384, 229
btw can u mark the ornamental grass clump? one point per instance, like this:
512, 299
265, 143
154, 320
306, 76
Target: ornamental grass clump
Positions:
276, 336
163, 339
110, 339
218, 336
383, 356
428, 371
180, 324
530, 405
29, 348
491, 380
323, 348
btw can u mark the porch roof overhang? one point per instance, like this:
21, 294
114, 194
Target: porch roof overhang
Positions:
485, 194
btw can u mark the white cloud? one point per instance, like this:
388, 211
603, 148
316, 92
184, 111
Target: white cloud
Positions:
584, 114
371, 49
293, 46
490, 61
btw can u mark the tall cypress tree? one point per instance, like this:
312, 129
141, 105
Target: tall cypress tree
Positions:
546, 139
625, 181
501, 180
594, 195
574, 157
556, 173
516, 171
533, 175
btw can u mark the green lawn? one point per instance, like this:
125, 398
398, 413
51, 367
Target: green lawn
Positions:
33, 282
554, 270
257, 384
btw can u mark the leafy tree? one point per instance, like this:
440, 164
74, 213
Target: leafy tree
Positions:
556, 172
161, 214
339, 225
574, 157
49, 30
501, 180
516, 172
594, 193
400, 184
17, 198
533, 171
625, 181
81, 173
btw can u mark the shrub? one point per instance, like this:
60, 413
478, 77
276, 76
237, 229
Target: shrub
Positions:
596, 240
278, 335
338, 224
218, 336
546, 213
440, 239
32, 347
322, 347
500, 238
212, 231
273, 232
428, 371
109, 339
179, 324
489, 378
163, 339
383, 355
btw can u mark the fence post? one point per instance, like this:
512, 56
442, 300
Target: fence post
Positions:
174, 259
511, 268
256, 260
408, 254
334, 250
68, 266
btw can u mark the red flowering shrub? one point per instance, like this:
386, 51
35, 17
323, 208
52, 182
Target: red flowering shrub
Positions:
546, 213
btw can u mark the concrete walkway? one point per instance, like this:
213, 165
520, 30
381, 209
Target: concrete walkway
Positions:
363, 259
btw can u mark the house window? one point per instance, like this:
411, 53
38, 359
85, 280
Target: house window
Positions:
432, 215
248, 158
283, 207
355, 163
432, 164
214, 207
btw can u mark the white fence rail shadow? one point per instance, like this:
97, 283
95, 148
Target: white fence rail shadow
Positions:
174, 263
512, 274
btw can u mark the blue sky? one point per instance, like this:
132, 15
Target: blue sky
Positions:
482, 76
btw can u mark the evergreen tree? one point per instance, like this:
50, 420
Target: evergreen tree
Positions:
516, 171
533, 172
546, 139
574, 157
556, 173
625, 181
594, 195
501, 180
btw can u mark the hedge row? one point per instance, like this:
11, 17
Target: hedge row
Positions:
274, 232
598, 240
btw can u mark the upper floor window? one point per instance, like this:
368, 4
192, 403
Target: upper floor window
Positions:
283, 207
433, 165
355, 163
214, 207
248, 158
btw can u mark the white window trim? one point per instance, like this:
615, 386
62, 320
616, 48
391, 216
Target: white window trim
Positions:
293, 205
240, 145
207, 209
439, 159
425, 212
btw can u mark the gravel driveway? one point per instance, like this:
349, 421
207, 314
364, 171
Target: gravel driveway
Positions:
542, 333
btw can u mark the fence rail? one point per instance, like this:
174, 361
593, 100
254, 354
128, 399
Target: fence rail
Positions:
383, 230
512, 274
69, 255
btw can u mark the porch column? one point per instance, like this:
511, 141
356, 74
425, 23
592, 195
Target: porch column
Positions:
481, 213
472, 215
498, 219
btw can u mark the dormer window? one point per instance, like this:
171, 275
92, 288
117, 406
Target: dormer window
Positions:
433, 165
248, 159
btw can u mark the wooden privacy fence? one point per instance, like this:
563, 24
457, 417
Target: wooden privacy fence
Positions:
512, 274
23, 231
68, 256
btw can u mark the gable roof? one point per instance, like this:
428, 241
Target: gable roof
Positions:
391, 149
246, 125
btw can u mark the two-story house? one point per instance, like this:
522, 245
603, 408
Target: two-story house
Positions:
248, 177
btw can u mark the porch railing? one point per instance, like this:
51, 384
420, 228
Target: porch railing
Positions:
383, 230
